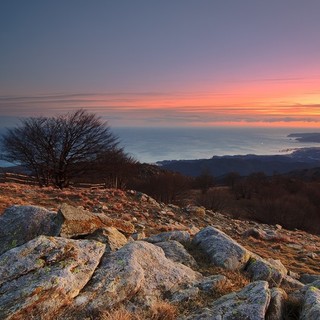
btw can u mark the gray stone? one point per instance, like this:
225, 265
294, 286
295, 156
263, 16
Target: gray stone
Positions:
250, 303
79, 222
309, 278
175, 251
180, 236
39, 277
277, 304
140, 270
222, 250
311, 305
209, 284
20, 224
185, 295
269, 270
289, 283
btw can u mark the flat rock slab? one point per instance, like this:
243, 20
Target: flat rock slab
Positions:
250, 303
140, 270
78, 221
39, 277
222, 250
20, 224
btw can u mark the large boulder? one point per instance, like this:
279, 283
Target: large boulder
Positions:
140, 270
250, 303
222, 250
269, 270
20, 224
311, 305
78, 221
175, 251
39, 277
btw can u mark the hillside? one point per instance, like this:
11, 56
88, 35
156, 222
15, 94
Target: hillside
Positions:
112, 217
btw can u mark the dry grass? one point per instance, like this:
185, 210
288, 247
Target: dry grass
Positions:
160, 310
118, 314
163, 311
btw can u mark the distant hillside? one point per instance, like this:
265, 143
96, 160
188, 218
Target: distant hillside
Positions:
300, 159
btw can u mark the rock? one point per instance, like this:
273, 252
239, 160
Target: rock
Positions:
311, 305
180, 236
267, 235
20, 224
255, 233
39, 277
222, 250
269, 270
140, 270
110, 236
309, 278
195, 211
289, 283
209, 284
250, 303
177, 253
185, 295
78, 221
277, 304
299, 294
138, 236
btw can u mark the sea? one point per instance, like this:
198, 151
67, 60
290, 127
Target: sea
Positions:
156, 144
153, 144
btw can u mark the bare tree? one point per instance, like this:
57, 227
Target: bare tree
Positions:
58, 148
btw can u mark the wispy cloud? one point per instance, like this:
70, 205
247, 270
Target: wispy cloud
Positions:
173, 108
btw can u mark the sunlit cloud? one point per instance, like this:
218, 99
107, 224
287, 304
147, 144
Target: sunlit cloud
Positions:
172, 108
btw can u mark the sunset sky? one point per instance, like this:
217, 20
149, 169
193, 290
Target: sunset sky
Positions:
164, 62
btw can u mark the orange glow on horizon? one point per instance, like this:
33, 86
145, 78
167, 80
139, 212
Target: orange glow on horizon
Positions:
260, 103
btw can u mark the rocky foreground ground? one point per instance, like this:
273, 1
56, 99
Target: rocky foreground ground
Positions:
109, 254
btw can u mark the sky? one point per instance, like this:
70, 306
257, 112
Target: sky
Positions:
163, 63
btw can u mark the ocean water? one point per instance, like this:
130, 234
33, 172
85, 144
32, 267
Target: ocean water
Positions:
155, 144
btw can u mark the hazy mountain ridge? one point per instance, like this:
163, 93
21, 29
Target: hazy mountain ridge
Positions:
299, 159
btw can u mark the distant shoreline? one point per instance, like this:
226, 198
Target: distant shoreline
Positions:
306, 137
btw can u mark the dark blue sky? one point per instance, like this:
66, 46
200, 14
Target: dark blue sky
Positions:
120, 58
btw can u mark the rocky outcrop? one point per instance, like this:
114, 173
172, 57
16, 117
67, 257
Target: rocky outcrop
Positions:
222, 250
250, 303
20, 224
78, 221
96, 265
140, 270
39, 277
